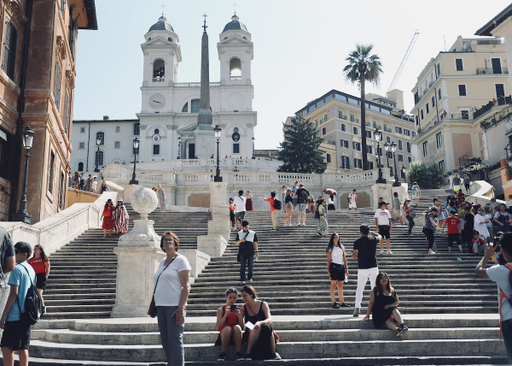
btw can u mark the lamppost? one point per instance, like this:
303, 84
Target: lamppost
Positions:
22, 215
378, 136
386, 148
135, 149
253, 147
396, 183
404, 170
217, 177
179, 147
98, 143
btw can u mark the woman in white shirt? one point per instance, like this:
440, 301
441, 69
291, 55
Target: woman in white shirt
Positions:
481, 223
337, 269
330, 203
172, 287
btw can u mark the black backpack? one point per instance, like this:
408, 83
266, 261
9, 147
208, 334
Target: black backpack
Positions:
33, 305
277, 204
304, 195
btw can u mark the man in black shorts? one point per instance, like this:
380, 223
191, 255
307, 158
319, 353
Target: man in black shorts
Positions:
383, 224
16, 334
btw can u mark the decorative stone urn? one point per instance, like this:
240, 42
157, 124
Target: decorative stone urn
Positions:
139, 255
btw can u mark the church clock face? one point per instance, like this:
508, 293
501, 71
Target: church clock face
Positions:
157, 101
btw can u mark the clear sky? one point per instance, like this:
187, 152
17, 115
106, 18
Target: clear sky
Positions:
300, 48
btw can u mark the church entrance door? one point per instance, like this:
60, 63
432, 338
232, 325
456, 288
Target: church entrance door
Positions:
191, 151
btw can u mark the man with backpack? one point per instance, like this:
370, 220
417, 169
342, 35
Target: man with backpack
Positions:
275, 206
302, 195
16, 334
501, 275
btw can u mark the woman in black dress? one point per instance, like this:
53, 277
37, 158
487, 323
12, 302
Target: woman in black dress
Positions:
383, 306
260, 340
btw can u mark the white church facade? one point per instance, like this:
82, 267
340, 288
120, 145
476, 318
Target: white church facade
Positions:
167, 123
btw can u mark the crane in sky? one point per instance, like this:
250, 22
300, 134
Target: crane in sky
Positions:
404, 60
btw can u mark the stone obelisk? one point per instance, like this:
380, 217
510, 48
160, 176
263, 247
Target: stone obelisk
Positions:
205, 137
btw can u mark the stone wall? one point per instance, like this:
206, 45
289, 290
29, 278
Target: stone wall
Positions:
199, 200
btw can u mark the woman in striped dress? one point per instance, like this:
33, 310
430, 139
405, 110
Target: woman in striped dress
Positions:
121, 218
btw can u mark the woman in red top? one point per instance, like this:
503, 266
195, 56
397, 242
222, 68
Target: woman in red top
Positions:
41, 265
229, 324
232, 213
108, 221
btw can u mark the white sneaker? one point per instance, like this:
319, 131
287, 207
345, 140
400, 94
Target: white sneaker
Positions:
298, 224
381, 251
389, 252
303, 224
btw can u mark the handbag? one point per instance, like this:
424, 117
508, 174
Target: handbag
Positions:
152, 305
412, 214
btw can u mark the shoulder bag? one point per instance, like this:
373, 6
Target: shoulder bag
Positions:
152, 306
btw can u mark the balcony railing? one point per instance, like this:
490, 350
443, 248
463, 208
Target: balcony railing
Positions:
491, 71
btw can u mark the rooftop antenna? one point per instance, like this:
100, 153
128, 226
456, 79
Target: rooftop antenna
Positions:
444, 39
163, 6
235, 4
205, 26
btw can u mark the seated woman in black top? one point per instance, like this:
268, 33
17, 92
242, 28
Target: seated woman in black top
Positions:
383, 306
260, 340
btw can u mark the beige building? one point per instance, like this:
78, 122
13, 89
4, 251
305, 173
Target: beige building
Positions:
449, 90
336, 116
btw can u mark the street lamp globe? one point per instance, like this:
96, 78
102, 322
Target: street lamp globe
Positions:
377, 135
98, 141
135, 143
217, 130
386, 146
393, 147
28, 138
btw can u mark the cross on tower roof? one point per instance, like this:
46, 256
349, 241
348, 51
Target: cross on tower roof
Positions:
205, 26
163, 6
235, 4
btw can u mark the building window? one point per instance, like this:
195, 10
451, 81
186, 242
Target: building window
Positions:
236, 148
328, 158
117, 144
63, 8
407, 132
459, 64
156, 149
66, 112
370, 165
82, 129
388, 139
343, 127
195, 105
413, 134
369, 134
439, 94
427, 108
99, 158
355, 130
345, 162
61, 190
50, 172
425, 148
409, 147
356, 146
324, 130
464, 114
421, 112
81, 145
462, 90
400, 158
101, 136
438, 69
340, 114
439, 140
500, 90
398, 129
80, 166
118, 129
57, 83
352, 118
344, 143
369, 149
325, 117
358, 163
496, 65
433, 101
409, 159
185, 108
10, 43
316, 123
400, 146
136, 129
441, 166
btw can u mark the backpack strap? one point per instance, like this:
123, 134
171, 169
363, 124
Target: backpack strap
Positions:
503, 295
33, 284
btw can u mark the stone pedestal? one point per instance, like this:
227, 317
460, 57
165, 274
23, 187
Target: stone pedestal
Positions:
205, 143
381, 190
213, 245
219, 224
402, 193
139, 255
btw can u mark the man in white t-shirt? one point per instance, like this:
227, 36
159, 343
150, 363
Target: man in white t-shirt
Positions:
500, 274
383, 224
239, 202
94, 185
352, 198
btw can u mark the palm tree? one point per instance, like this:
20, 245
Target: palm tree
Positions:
363, 67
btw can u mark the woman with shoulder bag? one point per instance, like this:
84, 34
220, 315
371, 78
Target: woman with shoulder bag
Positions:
172, 287
430, 228
261, 339
409, 215
321, 229
229, 325
337, 269
502, 220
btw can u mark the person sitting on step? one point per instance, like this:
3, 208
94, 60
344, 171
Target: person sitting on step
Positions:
258, 336
383, 306
229, 324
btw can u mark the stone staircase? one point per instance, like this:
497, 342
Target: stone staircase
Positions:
452, 314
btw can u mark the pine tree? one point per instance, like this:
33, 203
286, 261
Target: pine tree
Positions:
299, 152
